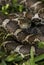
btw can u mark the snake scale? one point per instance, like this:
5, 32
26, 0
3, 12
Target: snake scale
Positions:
26, 28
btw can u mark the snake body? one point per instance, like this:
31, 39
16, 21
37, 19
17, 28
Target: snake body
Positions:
24, 31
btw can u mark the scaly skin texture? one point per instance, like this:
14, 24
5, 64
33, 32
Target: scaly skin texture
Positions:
24, 30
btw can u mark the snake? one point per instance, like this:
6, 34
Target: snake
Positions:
23, 31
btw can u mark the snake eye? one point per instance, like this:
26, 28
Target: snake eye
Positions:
41, 13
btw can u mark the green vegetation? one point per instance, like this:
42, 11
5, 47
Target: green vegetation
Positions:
41, 44
14, 7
